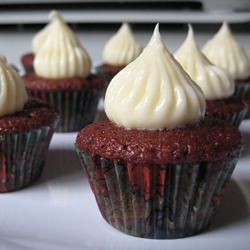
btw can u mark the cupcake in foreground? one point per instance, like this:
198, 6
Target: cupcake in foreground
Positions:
225, 51
157, 168
26, 128
62, 77
215, 82
118, 52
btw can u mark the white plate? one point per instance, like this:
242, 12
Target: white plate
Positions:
59, 211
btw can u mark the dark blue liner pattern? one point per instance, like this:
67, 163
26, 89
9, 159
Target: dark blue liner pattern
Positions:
76, 109
22, 157
157, 201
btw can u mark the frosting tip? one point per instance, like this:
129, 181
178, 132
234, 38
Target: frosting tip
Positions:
54, 14
156, 37
190, 30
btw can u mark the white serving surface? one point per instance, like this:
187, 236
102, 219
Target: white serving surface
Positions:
59, 211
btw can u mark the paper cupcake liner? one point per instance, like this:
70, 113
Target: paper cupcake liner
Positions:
234, 119
22, 157
157, 201
76, 109
242, 90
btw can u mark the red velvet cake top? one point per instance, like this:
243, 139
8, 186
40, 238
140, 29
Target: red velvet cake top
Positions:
208, 140
27, 59
34, 82
111, 68
225, 106
35, 114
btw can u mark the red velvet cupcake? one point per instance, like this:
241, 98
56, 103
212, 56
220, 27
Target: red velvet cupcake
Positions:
119, 51
158, 169
27, 62
224, 50
62, 77
26, 128
215, 82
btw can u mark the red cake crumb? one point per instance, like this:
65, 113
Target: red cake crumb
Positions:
27, 62
34, 82
208, 140
225, 107
111, 68
35, 114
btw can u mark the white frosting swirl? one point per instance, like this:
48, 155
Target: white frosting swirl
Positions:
224, 50
122, 48
61, 55
40, 38
214, 81
153, 92
13, 95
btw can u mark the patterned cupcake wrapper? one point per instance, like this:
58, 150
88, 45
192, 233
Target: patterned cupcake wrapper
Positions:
76, 109
242, 90
233, 119
22, 157
157, 201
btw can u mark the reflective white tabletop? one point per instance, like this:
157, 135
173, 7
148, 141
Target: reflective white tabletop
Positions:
59, 211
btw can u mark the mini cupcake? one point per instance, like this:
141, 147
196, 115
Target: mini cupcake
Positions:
62, 77
119, 51
157, 168
26, 128
27, 62
215, 82
224, 50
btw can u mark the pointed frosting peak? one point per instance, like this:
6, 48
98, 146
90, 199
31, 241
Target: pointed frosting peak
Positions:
55, 15
121, 48
224, 50
13, 95
153, 92
60, 53
156, 39
191, 36
214, 81
224, 29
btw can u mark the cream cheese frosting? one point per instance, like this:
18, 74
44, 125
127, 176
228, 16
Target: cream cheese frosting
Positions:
122, 48
40, 38
13, 95
215, 82
224, 50
61, 55
153, 92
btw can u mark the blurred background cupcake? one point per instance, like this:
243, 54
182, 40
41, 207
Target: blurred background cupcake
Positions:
120, 50
216, 83
225, 51
62, 76
26, 128
157, 168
